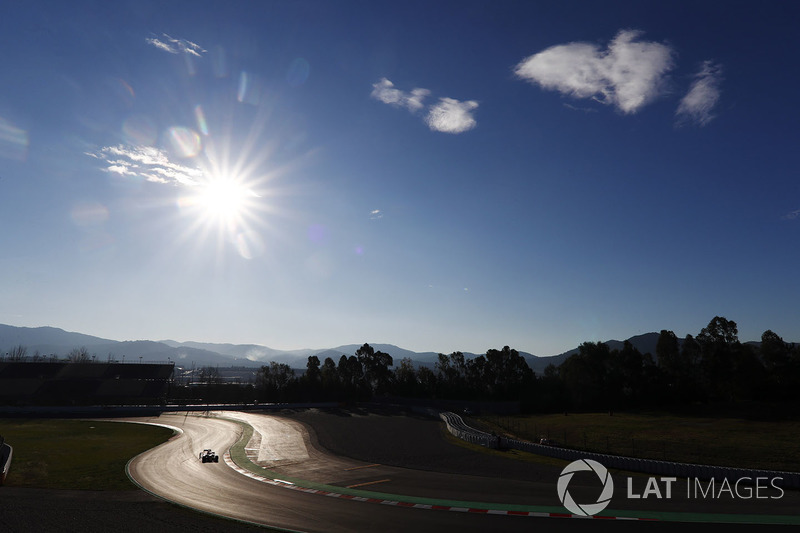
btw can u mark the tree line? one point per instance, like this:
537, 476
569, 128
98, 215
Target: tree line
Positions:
19, 353
711, 367
498, 375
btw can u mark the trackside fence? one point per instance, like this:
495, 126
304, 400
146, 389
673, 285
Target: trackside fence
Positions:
459, 428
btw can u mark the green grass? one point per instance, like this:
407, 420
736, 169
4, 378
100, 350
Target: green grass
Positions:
518, 455
718, 441
76, 454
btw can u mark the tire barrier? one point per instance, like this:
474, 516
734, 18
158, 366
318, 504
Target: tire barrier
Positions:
460, 429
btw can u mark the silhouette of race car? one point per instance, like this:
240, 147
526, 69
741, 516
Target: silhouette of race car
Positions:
207, 456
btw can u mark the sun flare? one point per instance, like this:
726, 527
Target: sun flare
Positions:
222, 203
224, 198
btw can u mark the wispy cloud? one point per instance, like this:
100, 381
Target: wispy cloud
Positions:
628, 74
452, 116
148, 163
448, 115
583, 109
176, 46
792, 215
375, 214
702, 97
386, 92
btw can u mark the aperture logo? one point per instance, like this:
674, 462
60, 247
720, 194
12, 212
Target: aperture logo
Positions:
583, 465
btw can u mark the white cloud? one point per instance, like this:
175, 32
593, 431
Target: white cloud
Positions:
448, 115
375, 214
628, 74
452, 116
146, 162
161, 45
122, 170
702, 97
176, 46
385, 91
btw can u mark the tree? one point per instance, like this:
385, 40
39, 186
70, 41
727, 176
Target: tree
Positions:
476, 382
552, 395
311, 382
273, 381
774, 352
209, 375
427, 382
668, 353
719, 330
747, 375
331, 384
625, 377
452, 374
584, 376
781, 373
719, 342
691, 354
676, 366
376, 368
405, 378
17, 353
312, 369
351, 375
79, 355
507, 373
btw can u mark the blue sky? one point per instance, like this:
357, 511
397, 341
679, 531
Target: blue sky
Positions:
438, 175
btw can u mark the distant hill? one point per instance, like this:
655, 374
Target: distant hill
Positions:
249, 354
254, 352
396, 352
46, 340
49, 340
645, 343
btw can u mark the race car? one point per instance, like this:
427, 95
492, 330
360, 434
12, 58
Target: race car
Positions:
207, 456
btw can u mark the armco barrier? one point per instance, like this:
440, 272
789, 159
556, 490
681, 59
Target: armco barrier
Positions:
460, 429
457, 426
6, 452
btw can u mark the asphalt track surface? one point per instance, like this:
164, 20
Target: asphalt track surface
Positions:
285, 449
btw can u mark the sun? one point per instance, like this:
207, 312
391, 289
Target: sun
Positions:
223, 204
224, 199
227, 200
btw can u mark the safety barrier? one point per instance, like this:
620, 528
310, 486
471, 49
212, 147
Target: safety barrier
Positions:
6, 452
459, 428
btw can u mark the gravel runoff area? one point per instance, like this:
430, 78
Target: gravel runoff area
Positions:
378, 436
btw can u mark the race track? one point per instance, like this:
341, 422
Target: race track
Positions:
173, 471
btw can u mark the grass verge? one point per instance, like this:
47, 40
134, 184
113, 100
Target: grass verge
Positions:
718, 441
517, 455
75, 454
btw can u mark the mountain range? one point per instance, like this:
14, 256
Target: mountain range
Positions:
54, 341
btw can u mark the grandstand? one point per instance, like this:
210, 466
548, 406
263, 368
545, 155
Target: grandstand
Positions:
67, 383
